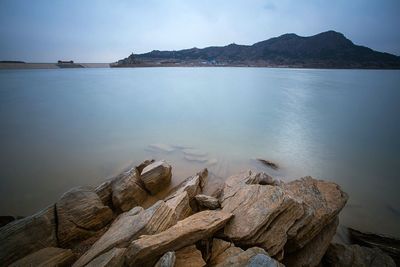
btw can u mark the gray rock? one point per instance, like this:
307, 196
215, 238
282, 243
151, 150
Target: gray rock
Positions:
167, 260
50, 256
156, 176
112, 258
262, 260
242, 258
207, 202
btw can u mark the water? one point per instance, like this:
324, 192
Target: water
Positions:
63, 128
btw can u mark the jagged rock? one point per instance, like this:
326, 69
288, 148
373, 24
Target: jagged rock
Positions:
156, 176
263, 214
193, 185
129, 226
144, 164
50, 256
180, 204
147, 249
322, 201
207, 202
261, 178
167, 260
104, 191
262, 260
80, 214
189, 256
112, 258
245, 258
221, 250
128, 191
339, 255
312, 253
22, 237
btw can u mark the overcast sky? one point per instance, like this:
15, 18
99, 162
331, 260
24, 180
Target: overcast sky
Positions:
105, 30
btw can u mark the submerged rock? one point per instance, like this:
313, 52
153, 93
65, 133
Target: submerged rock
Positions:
147, 249
156, 176
50, 256
207, 202
269, 163
189, 256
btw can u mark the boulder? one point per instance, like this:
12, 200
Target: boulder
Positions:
80, 213
50, 256
112, 258
189, 256
129, 226
144, 164
322, 202
167, 260
192, 185
246, 258
339, 255
262, 260
25, 236
312, 253
104, 191
156, 176
180, 204
221, 250
207, 202
147, 249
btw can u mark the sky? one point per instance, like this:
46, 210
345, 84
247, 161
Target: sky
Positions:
105, 30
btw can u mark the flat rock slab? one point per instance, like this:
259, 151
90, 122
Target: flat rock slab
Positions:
147, 249
50, 256
180, 204
156, 176
189, 256
207, 202
112, 258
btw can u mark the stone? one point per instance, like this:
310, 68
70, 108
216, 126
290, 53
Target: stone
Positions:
180, 204
104, 191
262, 260
312, 253
129, 226
189, 256
260, 178
269, 163
207, 202
112, 258
242, 258
192, 185
221, 250
50, 256
156, 176
322, 202
167, 260
128, 191
339, 255
144, 164
27, 235
147, 249
80, 214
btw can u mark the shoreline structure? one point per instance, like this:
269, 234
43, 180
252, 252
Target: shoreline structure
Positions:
250, 220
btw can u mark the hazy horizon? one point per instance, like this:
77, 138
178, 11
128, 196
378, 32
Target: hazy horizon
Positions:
105, 31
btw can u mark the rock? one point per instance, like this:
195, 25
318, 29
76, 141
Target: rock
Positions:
7, 219
162, 147
80, 214
128, 191
112, 258
244, 258
200, 159
147, 249
104, 191
194, 152
322, 201
263, 214
262, 260
193, 185
339, 255
156, 176
22, 237
180, 204
50, 256
207, 202
189, 256
144, 164
268, 163
388, 245
312, 253
167, 260
261, 178
129, 226
221, 250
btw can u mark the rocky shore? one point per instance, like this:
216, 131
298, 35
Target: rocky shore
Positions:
251, 220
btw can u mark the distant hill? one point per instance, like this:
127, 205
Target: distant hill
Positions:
325, 50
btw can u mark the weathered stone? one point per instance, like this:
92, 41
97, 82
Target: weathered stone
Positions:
80, 213
147, 249
221, 250
127, 191
193, 185
269, 163
322, 201
112, 258
129, 226
207, 202
144, 164
312, 253
156, 176
180, 204
104, 191
339, 255
50, 256
242, 258
262, 260
167, 260
25, 236
189, 256
260, 178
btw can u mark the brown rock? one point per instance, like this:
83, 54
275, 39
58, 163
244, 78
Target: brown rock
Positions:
180, 204
156, 176
260, 178
25, 236
311, 254
47, 257
112, 258
147, 249
167, 260
80, 214
193, 185
189, 256
221, 250
207, 202
144, 164
339, 255
129, 226
244, 258
104, 191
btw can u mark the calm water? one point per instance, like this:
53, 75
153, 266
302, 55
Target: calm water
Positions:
63, 128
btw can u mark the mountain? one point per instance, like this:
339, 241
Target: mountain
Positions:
324, 50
